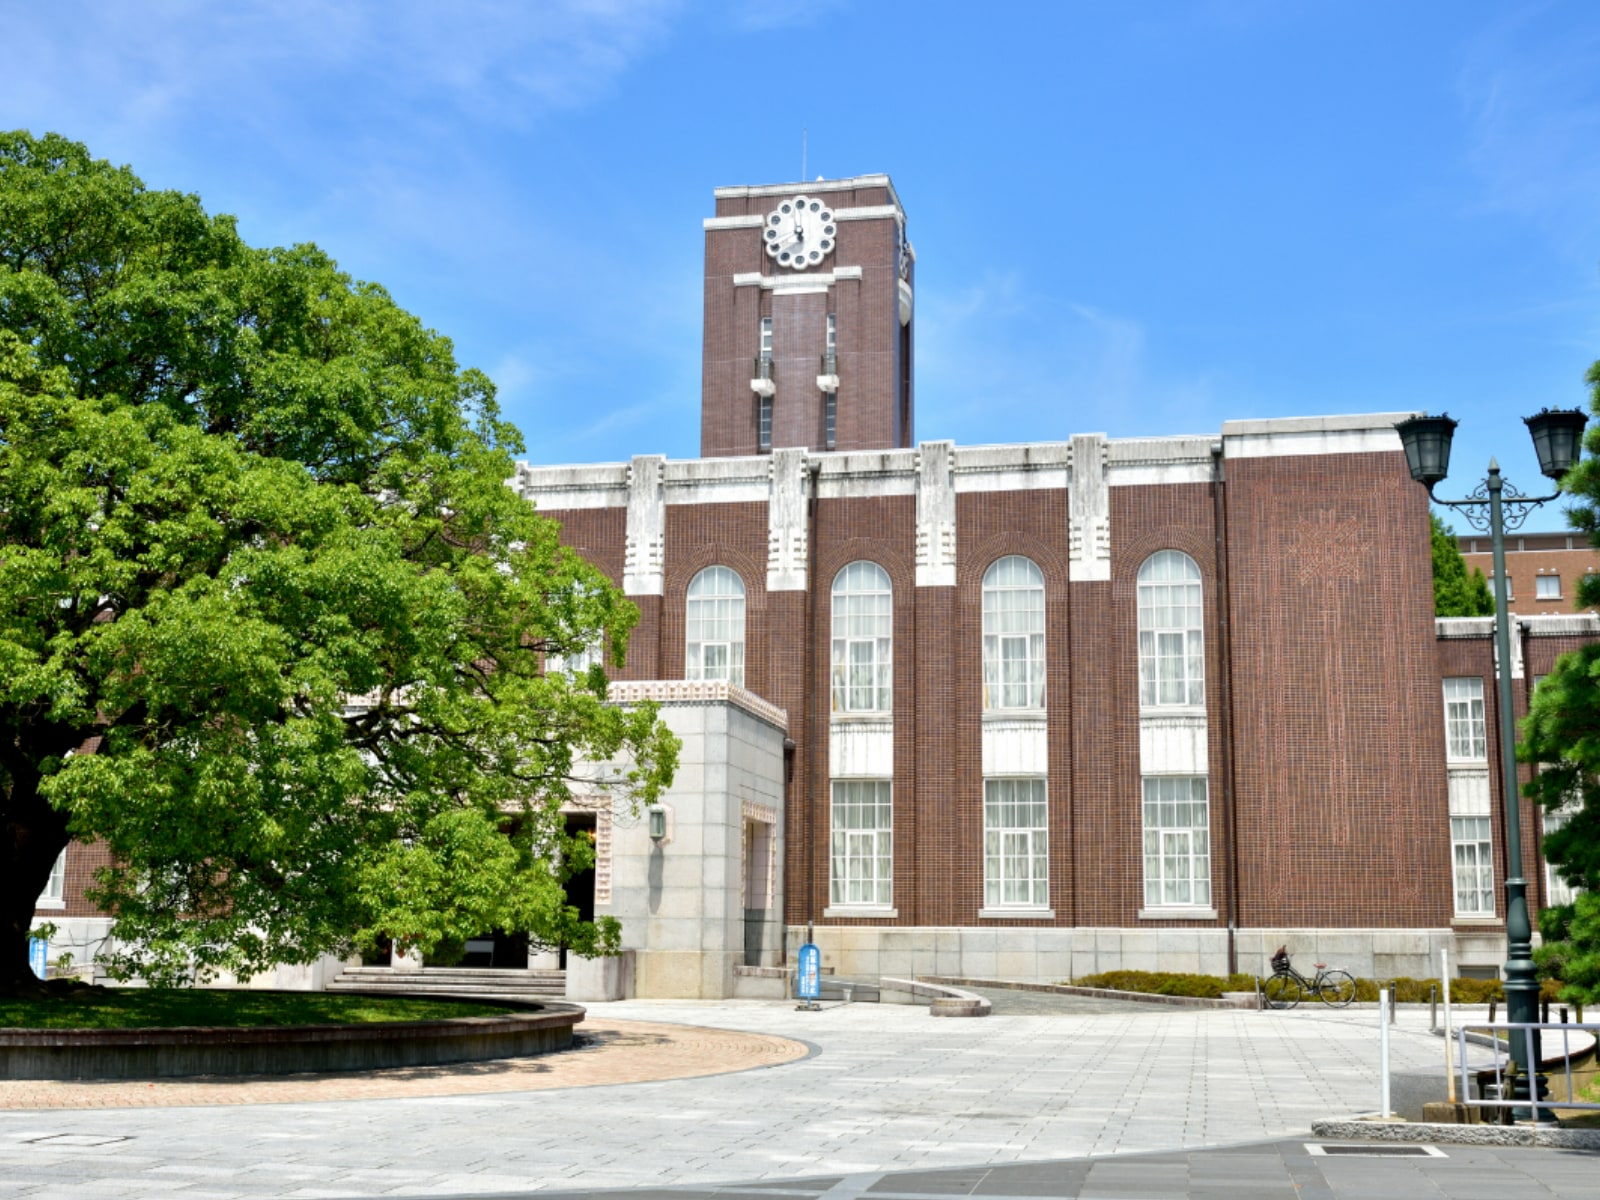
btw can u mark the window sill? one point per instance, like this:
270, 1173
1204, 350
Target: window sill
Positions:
1477, 922
880, 716
1015, 714
1172, 710
43, 905
1177, 913
874, 911
1016, 914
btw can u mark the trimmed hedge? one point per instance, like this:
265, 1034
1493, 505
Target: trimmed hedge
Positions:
1406, 991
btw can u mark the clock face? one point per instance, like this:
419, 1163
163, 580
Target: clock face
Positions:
799, 233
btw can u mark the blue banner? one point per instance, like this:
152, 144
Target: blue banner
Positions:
808, 973
37, 949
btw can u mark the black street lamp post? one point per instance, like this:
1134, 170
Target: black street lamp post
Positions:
1494, 505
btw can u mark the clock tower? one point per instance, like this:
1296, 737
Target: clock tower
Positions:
808, 319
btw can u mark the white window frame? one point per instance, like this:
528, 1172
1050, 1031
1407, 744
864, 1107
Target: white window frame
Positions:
863, 639
54, 895
833, 335
766, 338
1490, 580
713, 627
1176, 811
1172, 640
1556, 889
1547, 587
1016, 843
861, 843
1466, 735
1472, 864
1013, 635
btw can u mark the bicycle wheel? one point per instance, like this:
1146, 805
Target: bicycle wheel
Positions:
1283, 991
1337, 988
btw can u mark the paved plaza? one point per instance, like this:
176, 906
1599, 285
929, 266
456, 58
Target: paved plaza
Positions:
989, 1105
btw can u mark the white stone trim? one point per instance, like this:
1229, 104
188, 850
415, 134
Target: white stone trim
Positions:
1463, 627
1468, 789
861, 748
874, 913
809, 187
787, 517
795, 284
848, 473
936, 514
1141, 462
869, 212
1015, 747
717, 480
1016, 914
1173, 744
1089, 510
1013, 468
559, 488
1279, 436
644, 551
45, 904
1558, 625
1177, 913
697, 691
748, 221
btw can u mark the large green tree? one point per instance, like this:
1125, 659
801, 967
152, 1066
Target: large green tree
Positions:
272, 627
1457, 592
1562, 735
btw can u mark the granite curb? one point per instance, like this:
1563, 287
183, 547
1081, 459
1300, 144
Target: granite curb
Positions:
1064, 989
1460, 1135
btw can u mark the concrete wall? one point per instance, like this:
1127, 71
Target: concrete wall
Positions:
1048, 955
682, 900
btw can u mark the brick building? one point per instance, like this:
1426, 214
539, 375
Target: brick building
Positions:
1542, 569
1034, 710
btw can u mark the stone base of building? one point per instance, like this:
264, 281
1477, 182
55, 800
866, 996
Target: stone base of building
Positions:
1057, 955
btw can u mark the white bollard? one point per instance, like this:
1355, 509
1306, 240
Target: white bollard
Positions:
1383, 1046
1449, 1052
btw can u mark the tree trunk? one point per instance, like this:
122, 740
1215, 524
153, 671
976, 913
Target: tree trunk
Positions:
32, 836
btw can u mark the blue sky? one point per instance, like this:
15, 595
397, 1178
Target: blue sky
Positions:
1137, 219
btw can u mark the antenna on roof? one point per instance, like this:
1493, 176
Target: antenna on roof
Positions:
802, 153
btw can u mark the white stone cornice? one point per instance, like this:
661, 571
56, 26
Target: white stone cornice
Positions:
644, 553
1312, 435
936, 514
697, 691
798, 282
1089, 511
750, 221
787, 522
811, 188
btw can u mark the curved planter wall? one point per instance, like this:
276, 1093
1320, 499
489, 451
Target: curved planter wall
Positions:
281, 1049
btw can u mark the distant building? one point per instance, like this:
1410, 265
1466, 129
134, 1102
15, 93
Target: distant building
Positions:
1543, 569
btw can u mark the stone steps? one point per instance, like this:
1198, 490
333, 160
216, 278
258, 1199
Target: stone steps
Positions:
484, 983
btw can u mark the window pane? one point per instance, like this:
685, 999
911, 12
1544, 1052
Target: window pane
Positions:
1013, 634
1016, 843
714, 626
1171, 634
1177, 855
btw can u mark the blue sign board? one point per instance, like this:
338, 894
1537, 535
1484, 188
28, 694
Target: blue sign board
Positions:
808, 973
37, 948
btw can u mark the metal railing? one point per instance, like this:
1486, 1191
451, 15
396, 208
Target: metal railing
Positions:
829, 365
762, 367
1504, 1083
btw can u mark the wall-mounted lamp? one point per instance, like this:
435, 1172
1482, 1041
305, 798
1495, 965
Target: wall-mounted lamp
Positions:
658, 822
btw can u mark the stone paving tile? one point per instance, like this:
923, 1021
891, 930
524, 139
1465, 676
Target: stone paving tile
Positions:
890, 1088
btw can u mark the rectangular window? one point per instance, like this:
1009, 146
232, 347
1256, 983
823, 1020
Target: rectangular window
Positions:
764, 422
1557, 889
1474, 866
1463, 720
766, 337
1016, 847
1547, 587
832, 409
863, 843
55, 888
1177, 842
1490, 580
833, 335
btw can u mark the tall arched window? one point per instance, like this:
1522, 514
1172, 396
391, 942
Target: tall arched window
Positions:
863, 639
1172, 654
1013, 634
714, 626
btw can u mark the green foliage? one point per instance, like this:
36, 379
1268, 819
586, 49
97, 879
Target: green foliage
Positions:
1406, 991
1562, 735
1456, 592
255, 537
152, 1008
1169, 983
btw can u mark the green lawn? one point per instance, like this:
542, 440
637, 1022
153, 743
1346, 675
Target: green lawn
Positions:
129, 1008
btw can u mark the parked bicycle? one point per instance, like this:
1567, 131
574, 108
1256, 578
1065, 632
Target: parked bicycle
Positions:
1287, 987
